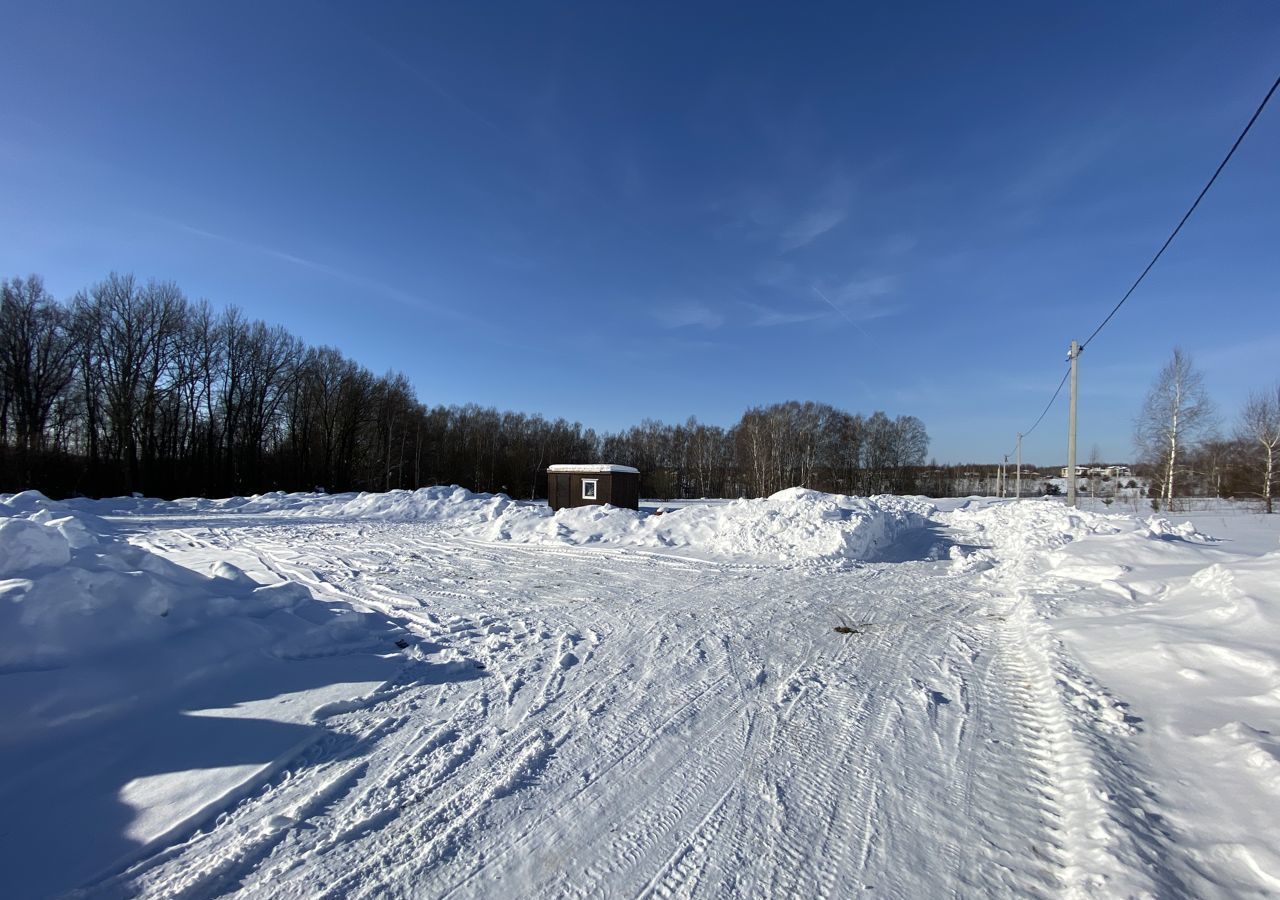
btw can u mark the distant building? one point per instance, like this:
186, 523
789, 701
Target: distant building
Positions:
593, 484
1098, 471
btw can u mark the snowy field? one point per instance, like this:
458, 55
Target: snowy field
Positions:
442, 694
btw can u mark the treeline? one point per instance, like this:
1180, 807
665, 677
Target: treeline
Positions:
773, 447
1240, 466
130, 386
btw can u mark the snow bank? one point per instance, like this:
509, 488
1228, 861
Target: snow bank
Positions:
792, 525
1032, 535
1034, 525
443, 504
26, 545
69, 588
1164, 647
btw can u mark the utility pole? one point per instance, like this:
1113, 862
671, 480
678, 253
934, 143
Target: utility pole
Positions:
1018, 478
1074, 355
1004, 477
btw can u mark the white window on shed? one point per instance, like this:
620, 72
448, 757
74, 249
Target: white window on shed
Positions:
589, 488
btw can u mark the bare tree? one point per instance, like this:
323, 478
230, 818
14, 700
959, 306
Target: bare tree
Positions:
1095, 467
879, 453
37, 362
1260, 424
1175, 413
111, 317
133, 387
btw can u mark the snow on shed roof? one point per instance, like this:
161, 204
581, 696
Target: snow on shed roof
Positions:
591, 469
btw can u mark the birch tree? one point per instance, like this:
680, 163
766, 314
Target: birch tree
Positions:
1260, 425
1175, 413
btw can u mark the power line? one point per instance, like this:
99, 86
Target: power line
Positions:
1200, 197
1048, 405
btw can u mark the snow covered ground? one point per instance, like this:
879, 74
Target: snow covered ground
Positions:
440, 693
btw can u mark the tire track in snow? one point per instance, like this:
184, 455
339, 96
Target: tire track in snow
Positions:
566, 712
781, 762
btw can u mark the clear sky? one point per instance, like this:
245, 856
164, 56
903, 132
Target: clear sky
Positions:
611, 211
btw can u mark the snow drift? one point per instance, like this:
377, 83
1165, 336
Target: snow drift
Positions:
70, 588
790, 526
1032, 534
1160, 642
138, 695
794, 525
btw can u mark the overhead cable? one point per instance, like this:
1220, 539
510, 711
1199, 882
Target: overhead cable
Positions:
1222, 165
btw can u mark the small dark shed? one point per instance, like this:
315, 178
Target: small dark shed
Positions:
588, 485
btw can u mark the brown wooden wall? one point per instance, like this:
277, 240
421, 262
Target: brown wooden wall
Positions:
564, 489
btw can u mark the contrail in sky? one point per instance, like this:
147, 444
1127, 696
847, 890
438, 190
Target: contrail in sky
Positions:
845, 315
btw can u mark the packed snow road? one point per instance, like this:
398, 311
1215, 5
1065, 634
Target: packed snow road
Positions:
627, 724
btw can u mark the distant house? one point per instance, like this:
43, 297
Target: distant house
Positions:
1098, 471
592, 484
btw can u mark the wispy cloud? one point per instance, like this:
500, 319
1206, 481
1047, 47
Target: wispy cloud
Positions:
789, 218
809, 227
689, 315
856, 300
1252, 355
258, 248
862, 299
388, 291
420, 76
857, 291
776, 273
772, 317
1057, 168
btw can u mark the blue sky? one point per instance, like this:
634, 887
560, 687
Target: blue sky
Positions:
610, 212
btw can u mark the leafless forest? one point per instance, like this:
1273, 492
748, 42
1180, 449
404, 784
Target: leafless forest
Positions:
130, 386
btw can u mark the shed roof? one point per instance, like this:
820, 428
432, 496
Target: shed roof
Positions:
591, 469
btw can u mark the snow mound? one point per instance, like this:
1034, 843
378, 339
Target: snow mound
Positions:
431, 504
1046, 536
790, 526
70, 588
446, 505
1032, 528
26, 545
1165, 530
1033, 525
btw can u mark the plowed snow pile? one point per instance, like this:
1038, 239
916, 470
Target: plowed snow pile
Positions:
1025, 533
794, 525
137, 695
69, 589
